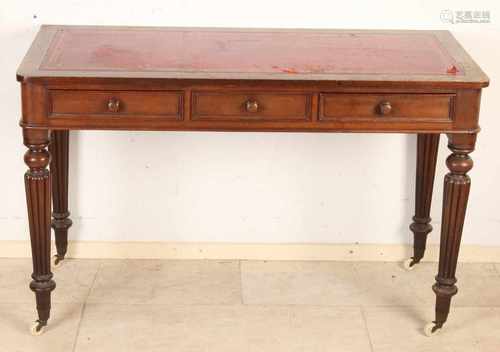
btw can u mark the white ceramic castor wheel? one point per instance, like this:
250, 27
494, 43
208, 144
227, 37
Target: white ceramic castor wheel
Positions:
408, 264
37, 328
430, 329
56, 261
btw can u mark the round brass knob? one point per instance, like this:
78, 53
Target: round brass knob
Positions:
113, 105
384, 108
251, 105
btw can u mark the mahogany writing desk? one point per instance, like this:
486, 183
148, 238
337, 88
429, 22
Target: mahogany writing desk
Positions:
187, 79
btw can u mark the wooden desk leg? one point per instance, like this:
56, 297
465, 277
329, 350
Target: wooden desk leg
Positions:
37, 182
59, 145
456, 194
427, 149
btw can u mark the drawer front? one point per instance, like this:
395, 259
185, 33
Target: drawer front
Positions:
386, 107
241, 106
150, 104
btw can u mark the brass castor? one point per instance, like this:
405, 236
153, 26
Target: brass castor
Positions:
38, 328
431, 329
57, 261
409, 264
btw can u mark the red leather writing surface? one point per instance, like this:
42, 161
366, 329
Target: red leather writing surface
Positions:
287, 52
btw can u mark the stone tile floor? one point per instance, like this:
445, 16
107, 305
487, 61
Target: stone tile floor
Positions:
224, 305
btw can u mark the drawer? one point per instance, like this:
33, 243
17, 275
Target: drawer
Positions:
247, 106
150, 104
386, 107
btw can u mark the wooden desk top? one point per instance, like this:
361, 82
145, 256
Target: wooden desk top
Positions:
430, 57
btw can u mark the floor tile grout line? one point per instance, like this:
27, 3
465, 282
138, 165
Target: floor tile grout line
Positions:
330, 306
82, 313
298, 306
77, 335
362, 310
241, 283
99, 267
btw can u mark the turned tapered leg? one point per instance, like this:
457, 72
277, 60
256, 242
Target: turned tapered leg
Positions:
427, 149
37, 182
59, 145
455, 196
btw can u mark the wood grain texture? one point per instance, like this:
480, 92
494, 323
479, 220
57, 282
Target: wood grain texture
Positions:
59, 150
246, 106
283, 107
398, 107
427, 150
149, 104
38, 189
455, 197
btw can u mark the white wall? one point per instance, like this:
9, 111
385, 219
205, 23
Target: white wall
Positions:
248, 187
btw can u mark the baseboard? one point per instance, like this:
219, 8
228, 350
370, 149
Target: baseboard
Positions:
183, 250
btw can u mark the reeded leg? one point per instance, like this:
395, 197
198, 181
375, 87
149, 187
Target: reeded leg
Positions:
59, 145
427, 149
37, 182
456, 193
